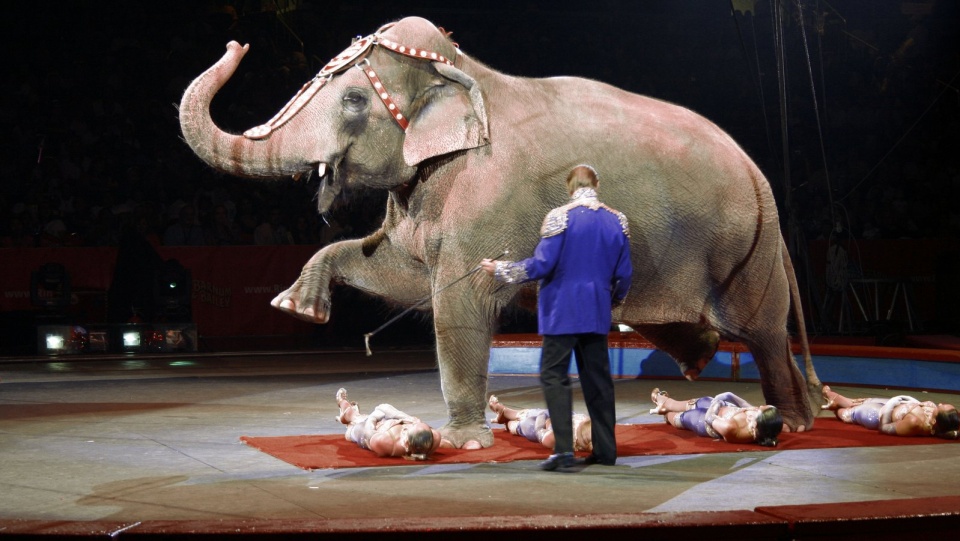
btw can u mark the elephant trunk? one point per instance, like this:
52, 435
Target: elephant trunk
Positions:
233, 154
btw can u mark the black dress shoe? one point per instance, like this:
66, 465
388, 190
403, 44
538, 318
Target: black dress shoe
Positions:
561, 462
594, 459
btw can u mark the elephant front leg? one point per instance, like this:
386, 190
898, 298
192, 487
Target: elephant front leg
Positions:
463, 351
388, 272
309, 296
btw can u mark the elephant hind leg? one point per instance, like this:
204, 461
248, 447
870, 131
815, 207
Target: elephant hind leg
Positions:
781, 381
692, 345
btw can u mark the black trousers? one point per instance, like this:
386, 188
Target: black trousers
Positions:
593, 364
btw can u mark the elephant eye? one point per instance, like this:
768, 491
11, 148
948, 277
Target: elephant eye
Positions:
354, 100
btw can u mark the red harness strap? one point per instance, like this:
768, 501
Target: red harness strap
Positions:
383, 94
357, 53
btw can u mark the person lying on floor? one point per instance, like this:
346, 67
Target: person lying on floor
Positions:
725, 416
534, 424
387, 431
898, 416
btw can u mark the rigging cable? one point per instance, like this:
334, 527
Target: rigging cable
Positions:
816, 112
946, 87
778, 46
755, 75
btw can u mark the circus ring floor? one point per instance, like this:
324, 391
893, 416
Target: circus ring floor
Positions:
129, 447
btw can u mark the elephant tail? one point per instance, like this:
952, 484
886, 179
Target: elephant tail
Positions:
812, 379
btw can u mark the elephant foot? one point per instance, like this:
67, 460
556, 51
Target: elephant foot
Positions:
710, 345
313, 311
692, 373
468, 437
793, 422
692, 345
708, 342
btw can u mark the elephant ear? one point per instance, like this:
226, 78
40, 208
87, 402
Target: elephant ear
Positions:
453, 119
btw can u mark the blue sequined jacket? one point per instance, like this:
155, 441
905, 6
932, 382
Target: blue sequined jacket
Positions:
583, 264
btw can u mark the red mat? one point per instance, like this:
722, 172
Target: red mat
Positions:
333, 451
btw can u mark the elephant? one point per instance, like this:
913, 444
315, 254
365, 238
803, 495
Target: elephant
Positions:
472, 159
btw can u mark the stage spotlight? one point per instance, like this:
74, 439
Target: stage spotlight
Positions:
169, 338
55, 342
131, 339
61, 339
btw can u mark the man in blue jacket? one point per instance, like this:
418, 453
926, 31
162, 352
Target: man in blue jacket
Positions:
583, 264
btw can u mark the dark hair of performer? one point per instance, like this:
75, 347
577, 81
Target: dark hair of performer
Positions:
948, 422
769, 425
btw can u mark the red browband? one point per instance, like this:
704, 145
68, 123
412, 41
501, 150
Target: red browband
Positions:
356, 55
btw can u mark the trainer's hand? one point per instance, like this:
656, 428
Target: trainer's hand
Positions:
489, 266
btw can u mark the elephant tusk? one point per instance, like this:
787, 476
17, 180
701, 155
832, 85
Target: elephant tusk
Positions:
322, 170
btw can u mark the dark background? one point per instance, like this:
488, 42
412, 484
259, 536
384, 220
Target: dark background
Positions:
869, 110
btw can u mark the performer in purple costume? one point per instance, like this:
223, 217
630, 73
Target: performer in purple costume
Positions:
583, 265
898, 416
725, 416
534, 424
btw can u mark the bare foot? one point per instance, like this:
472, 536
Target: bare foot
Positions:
657, 397
497, 408
830, 397
344, 406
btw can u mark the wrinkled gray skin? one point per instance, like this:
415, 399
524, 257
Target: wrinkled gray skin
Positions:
482, 162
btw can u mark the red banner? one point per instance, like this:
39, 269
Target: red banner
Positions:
233, 285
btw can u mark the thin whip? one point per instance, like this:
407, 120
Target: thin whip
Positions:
366, 337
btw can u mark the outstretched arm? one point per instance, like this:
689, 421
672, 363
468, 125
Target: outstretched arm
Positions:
886, 412
540, 425
380, 442
732, 398
719, 401
544, 430
711, 415
370, 430
909, 425
386, 411
544, 260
